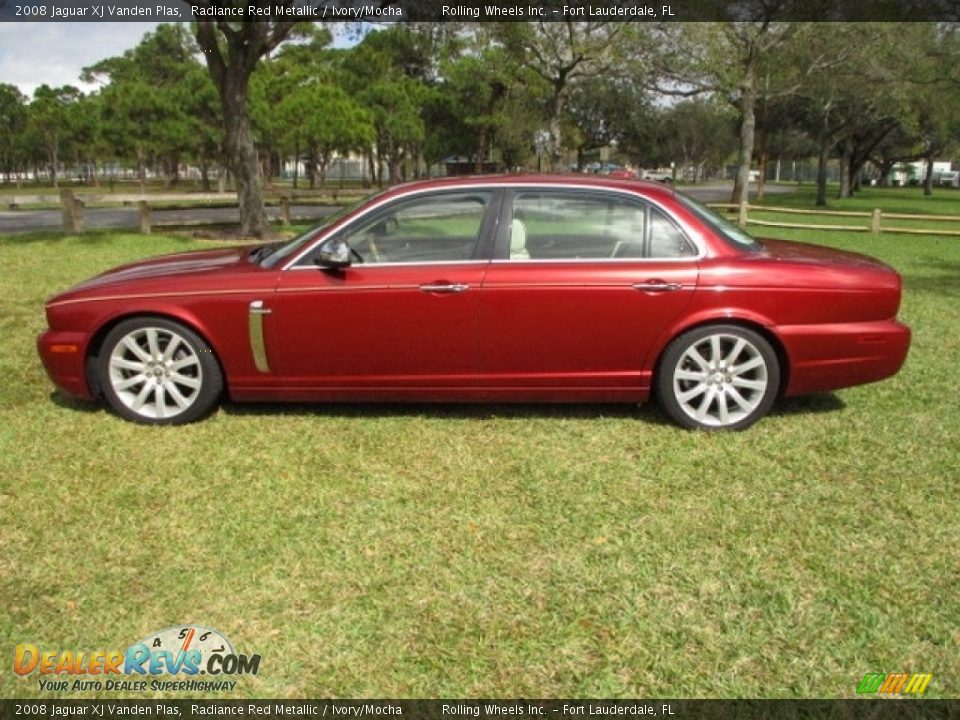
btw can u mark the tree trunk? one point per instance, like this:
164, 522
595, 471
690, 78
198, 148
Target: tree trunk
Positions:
845, 168
928, 177
483, 138
762, 154
243, 155
54, 162
883, 172
324, 164
296, 161
822, 173
748, 100
312, 167
204, 174
141, 170
175, 170
395, 168
371, 169
556, 128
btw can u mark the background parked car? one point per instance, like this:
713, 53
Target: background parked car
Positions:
949, 178
664, 176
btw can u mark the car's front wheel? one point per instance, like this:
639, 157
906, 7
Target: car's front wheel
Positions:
718, 377
158, 372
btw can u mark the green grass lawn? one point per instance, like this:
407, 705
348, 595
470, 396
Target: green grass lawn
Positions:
531, 551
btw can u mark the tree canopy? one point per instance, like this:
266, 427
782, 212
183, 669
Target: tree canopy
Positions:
252, 98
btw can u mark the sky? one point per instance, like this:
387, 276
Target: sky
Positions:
53, 53
32, 54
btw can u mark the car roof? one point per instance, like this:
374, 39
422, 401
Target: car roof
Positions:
602, 182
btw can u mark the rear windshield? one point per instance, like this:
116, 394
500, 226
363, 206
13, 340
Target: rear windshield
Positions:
733, 234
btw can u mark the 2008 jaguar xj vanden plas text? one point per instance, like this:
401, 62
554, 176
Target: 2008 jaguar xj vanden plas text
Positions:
516, 288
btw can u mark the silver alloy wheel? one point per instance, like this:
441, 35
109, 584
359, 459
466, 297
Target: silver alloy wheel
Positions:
720, 380
155, 372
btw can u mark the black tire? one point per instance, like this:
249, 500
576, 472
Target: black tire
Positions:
717, 377
158, 372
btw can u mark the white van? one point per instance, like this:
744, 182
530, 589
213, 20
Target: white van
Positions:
949, 178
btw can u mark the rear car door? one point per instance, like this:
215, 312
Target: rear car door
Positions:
582, 283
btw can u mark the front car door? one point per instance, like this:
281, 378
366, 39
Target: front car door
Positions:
582, 284
402, 316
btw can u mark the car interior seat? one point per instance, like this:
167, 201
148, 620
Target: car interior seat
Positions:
518, 240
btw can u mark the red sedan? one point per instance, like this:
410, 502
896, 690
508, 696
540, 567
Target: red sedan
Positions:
523, 288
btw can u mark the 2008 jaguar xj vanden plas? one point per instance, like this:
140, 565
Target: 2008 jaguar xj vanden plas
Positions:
521, 288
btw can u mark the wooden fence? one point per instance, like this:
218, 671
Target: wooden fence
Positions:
74, 205
874, 219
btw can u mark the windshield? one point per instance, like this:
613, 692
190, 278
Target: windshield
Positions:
733, 234
273, 254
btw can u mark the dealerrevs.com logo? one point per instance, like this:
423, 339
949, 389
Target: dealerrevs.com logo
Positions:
187, 650
898, 683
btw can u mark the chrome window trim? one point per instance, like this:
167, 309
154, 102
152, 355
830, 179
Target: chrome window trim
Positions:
692, 236
370, 266
581, 261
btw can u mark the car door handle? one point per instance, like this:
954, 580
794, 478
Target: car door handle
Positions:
444, 287
657, 286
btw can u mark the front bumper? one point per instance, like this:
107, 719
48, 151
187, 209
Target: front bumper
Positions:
64, 358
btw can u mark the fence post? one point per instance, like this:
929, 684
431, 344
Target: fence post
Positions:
742, 216
72, 212
875, 221
144, 217
285, 209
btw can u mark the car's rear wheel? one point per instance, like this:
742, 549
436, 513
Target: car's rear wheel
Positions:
718, 377
158, 372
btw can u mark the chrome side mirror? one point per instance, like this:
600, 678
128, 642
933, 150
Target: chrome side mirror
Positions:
334, 254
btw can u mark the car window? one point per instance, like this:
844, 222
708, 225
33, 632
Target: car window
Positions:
667, 240
439, 228
733, 235
272, 255
561, 225
565, 226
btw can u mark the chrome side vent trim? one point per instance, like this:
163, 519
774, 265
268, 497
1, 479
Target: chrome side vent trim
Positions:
257, 346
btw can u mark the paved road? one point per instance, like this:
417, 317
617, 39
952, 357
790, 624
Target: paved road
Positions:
14, 221
720, 192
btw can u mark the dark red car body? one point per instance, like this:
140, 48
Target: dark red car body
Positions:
585, 330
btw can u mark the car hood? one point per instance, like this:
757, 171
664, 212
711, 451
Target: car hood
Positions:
178, 264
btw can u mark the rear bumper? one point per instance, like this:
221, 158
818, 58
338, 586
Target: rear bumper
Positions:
829, 357
63, 354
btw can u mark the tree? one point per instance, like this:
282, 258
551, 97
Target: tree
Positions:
323, 119
13, 121
232, 51
49, 123
849, 106
568, 52
157, 102
384, 75
596, 112
88, 145
277, 77
739, 62
698, 133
